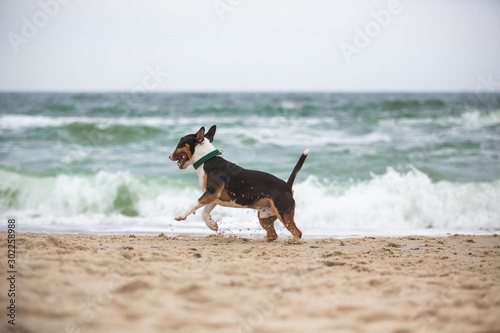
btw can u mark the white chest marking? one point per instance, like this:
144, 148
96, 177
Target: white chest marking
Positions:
201, 177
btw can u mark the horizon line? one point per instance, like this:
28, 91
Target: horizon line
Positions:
249, 92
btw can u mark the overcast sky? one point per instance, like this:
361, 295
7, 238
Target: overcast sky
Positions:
249, 45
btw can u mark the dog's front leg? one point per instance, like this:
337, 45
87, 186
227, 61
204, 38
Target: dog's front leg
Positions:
208, 197
207, 218
191, 210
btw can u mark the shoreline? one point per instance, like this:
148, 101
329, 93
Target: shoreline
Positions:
103, 283
257, 233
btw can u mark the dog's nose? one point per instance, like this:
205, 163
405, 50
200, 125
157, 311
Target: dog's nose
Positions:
171, 156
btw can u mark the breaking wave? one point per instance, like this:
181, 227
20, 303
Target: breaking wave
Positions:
390, 201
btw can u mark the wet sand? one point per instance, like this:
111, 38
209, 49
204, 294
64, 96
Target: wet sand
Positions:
85, 283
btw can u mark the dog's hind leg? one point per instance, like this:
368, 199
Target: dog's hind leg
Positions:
207, 218
285, 210
268, 224
289, 223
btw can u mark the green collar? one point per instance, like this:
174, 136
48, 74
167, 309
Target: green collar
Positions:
205, 158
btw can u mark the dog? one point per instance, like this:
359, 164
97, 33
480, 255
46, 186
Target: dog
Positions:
229, 185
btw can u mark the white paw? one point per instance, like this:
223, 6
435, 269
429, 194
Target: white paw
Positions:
181, 217
212, 225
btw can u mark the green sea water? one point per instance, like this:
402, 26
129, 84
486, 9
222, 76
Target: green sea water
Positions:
378, 162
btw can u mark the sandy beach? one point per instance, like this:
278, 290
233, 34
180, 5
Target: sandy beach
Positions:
87, 283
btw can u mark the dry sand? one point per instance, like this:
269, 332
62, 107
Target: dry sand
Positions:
84, 283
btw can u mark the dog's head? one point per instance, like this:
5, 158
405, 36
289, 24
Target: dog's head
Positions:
185, 149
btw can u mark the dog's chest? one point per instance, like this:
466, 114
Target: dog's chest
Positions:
201, 178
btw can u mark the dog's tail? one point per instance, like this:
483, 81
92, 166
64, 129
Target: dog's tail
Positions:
297, 167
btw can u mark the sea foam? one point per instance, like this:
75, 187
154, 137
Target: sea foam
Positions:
393, 201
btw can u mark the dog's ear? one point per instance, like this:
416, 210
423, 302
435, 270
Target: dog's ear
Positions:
200, 136
210, 134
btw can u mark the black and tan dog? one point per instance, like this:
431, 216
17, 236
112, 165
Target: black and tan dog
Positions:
229, 185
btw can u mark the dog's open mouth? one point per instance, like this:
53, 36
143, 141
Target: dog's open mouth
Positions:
181, 159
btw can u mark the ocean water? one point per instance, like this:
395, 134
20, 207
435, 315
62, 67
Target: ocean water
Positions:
379, 164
